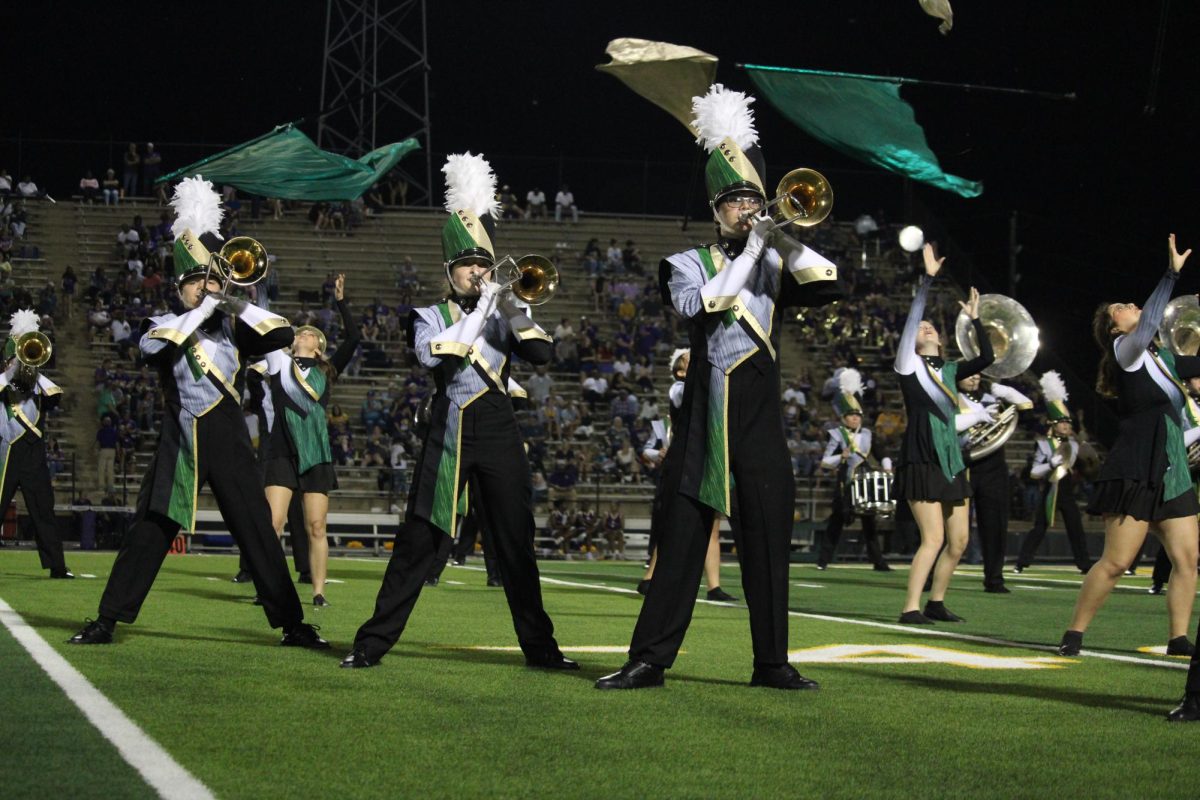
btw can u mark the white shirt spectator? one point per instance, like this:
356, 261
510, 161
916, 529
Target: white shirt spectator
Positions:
535, 198
5, 183
120, 330
539, 386
598, 385
794, 396
27, 188
622, 366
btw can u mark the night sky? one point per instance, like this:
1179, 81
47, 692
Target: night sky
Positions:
1098, 183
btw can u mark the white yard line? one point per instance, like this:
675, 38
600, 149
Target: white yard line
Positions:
165, 775
919, 630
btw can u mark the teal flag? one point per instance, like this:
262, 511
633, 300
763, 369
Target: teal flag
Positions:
286, 164
861, 117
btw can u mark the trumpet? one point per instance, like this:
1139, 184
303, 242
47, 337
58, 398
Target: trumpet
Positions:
242, 261
803, 197
531, 278
33, 350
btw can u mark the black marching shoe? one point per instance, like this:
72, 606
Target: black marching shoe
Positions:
304, 577
1018, 568
494, 582
1180, 646
555, 660
781, 676
358, 659
882, 566
320, 602
822, 567
634, 675
998, 589
1155, 588
719, 595
243, 576
936, 610
304, 635
914, 618
95, 632
1188, 709
643, 587
1071, 644
61, 574
432, 581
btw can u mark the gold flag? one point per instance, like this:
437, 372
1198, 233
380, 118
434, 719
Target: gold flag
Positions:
668, 75
940, 9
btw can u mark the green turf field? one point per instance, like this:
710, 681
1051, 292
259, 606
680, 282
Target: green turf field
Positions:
202, 674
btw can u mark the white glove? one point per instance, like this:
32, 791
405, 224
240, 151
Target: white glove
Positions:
886, 463
757, 240
489, 296
1056, 460
1009, 394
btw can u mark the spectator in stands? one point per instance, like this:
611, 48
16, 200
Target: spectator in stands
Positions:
624, 406
539, 385
565, 201
129, 175
510, 207
631, 257
562, 479
595, 389
318, 215
27, 188
107, 439
111, 188
373, 199
69, 282
122, 333
535, 204
89, 187
6, 184
151, 169
643, 373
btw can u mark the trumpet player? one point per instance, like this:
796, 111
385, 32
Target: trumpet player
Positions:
729, 437
467, 342
28, 397
848, 449
1054, 458
199, 355
988, 475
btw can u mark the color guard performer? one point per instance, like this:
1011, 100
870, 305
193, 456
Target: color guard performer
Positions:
467, 342
1144, 481
931, 476
28, 397
729, 439
199, 355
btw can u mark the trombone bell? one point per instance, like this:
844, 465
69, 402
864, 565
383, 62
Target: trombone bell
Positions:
33, 349
242, 261
537, 280
803, 197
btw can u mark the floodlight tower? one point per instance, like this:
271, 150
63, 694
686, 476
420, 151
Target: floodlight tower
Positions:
375, 82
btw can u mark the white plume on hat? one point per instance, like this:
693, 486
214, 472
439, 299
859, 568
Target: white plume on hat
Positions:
850, 382
678, 354
470, 185
723, 113
24, 321
1053, 388
197, 208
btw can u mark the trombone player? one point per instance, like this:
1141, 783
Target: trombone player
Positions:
28, 396
199, 355
467, 342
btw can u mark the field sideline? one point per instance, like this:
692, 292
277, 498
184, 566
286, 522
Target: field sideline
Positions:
981, 709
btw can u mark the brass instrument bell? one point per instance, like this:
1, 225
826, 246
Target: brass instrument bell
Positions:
242, 261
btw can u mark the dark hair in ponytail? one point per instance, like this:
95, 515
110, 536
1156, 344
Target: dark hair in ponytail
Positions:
1102, 331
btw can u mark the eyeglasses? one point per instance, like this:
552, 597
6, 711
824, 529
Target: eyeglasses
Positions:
747, 201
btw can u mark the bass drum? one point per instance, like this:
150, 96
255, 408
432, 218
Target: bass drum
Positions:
871, 493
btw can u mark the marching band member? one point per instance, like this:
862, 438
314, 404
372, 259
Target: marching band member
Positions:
1144, 480
849, 448
300, 459
1161, 574
199, 355
28, 397
729, 439
654, 453
1054, 460
932, 477
988, 476
467, 342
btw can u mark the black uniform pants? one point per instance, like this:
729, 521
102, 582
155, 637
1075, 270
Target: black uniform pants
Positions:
1069, 509
493, 459
28, 471
833, 532
989, 482
468, 532
225, 459
299, 536
766, 499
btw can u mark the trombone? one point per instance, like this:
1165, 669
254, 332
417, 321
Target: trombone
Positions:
803, 197
531, 278
242, 261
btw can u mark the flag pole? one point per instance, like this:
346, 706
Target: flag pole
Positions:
901, 81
